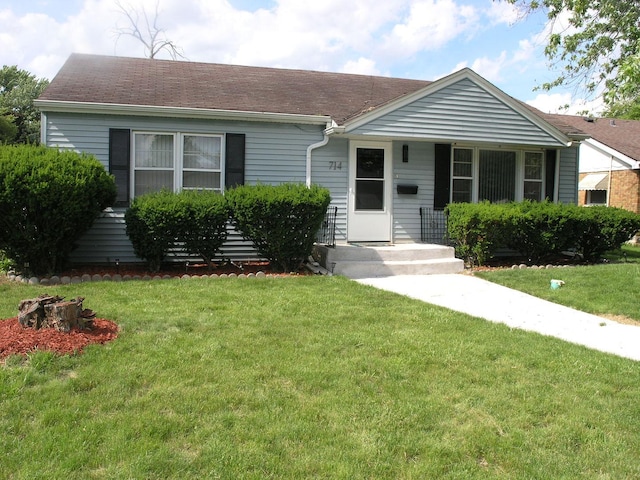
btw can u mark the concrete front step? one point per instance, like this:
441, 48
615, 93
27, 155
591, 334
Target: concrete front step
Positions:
390, 268
357, 261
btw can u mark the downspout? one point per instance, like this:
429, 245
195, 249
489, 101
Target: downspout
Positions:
311, 148
556, 184
43, 128
609, 180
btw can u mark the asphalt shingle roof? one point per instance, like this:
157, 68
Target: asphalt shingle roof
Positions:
621, 135
137, 81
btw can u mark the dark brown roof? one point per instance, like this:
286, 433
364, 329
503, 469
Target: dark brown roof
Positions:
620, 135
136, 81
165, 83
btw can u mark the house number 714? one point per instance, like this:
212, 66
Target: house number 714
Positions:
335, 165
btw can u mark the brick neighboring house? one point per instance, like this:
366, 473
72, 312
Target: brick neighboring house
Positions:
609, 169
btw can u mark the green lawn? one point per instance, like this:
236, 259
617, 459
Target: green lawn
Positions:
310, 377
607, 289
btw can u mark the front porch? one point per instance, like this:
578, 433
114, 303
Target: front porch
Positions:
355, 260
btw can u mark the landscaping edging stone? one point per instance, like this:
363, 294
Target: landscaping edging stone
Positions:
86, 278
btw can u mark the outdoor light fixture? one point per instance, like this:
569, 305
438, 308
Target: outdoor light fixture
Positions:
405, 153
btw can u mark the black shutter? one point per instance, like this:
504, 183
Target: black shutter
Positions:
441, 193
119, 163
550, 173
234, 160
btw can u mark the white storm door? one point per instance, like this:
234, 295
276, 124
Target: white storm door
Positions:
370, 192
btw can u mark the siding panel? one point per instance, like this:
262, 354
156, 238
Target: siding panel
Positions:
275, 153
459, 113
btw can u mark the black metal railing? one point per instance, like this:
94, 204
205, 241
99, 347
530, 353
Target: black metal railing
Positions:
433, 226
327, 233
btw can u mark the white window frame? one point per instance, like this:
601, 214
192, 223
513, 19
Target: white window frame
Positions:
540, 180
519, 173
178, 158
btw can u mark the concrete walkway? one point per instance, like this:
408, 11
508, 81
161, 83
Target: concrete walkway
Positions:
480, 298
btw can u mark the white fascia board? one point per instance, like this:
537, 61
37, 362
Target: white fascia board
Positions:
178, 112
612, 152
465, 73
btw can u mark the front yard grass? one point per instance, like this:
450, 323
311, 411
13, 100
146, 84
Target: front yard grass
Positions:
310, 377
609, 289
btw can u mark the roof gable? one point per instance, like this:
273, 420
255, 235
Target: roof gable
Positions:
460, 107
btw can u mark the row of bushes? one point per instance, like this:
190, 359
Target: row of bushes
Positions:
537, 230
50, 198
281, 222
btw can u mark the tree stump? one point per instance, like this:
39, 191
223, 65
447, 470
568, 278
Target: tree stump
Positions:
48, 311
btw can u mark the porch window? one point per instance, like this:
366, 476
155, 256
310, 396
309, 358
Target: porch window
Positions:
496, 175
533, 176
461, 190
176, 161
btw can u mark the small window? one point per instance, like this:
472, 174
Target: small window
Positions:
533, 176
596, 197
462, 184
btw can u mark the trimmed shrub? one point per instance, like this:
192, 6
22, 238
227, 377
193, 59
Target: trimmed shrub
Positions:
537, 230
48, 199
601, 229
281, 221
151, 226
202, 223
192, 221
475, 229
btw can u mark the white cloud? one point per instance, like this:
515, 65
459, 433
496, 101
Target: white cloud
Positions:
430, 25
503, 12
565, 103
490, 68
363, 66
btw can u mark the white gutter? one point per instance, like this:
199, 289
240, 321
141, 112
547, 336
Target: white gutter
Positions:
43, 128
180, 112
312, 147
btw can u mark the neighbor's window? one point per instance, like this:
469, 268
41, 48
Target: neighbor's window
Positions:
596, 197
533, 176
176, 161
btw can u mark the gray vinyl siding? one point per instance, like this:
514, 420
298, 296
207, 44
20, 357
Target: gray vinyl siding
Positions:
462, 112
330, 169
274, 153
568, 175
419, 170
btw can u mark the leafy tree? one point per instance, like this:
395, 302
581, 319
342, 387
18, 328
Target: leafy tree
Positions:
8, 129
599, 49
18, 90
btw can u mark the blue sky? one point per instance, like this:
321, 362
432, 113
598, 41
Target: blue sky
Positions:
422, 39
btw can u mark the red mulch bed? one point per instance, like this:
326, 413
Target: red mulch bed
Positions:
18, 340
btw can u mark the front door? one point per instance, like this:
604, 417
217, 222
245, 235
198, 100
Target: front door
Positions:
370, 192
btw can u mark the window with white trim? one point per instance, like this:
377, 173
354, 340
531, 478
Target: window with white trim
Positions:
496, 175
461, 190
534, 176
176, 161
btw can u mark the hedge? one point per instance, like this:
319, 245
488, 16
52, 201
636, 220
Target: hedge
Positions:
48, 199
281, 221
537, 230
194, 222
